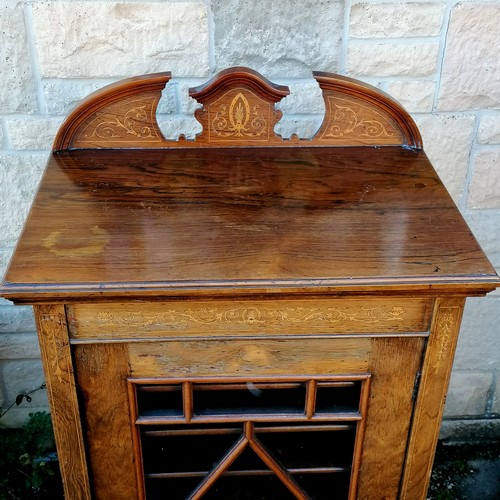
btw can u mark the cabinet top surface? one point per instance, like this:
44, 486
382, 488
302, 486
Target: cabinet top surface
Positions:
125, 223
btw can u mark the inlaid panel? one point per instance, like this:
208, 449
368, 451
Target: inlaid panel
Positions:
242, 318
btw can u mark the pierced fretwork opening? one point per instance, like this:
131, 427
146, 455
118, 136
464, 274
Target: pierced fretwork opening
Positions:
274, 439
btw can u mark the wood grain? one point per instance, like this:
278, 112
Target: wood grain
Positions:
122, 114
217, 358
360, 114
238, 109
242, 318
431, 398
63, 400
393, 365
317, 220
102, 377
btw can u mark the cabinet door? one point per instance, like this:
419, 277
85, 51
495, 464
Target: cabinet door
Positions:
294, 418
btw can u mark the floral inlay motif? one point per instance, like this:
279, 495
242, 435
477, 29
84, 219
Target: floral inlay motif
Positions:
251, 315
239, 119
56, 354
347, 122
445, 325
136, 122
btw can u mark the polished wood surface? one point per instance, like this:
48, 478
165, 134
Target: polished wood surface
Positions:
113, 223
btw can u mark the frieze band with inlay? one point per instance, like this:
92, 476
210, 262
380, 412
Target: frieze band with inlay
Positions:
251, 315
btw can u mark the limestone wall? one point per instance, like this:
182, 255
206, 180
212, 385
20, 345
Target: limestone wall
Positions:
440, 59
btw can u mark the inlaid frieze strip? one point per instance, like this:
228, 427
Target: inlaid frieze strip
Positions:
254, 315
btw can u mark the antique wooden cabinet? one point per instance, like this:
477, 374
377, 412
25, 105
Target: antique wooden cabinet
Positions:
242, 316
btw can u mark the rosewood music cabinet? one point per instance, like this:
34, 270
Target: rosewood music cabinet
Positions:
239, 315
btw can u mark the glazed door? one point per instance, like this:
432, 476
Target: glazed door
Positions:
244, 418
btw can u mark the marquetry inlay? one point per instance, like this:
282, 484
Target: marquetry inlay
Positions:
446, 325
250, 316
135, 122
241, 119
351, 119
239, 114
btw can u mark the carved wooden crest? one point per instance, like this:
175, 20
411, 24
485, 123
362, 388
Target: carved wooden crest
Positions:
120, 115
359, 114
238, 109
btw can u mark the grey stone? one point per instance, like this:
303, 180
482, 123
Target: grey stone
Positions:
121, 39
188, 105
479, 335
172, 126
62, 96
32, 133
495, 407
19, 346
471, 66
5, 254
305, 98
19, 178
303, 127
393, 20
468, 393
22, 376
455, 432
484, 189
393, 58
168, 103
416, 96
486, 228
16, 319
17, 90
447, 141
286, 38
489, 130
484, 483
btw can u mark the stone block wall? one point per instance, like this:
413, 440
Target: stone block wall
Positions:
440, 59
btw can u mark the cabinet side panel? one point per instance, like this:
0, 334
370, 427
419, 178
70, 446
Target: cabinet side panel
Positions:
59, 376
394, 364
431, 397
102, 372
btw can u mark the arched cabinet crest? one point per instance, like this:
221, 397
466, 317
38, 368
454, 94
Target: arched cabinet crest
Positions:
238, 109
